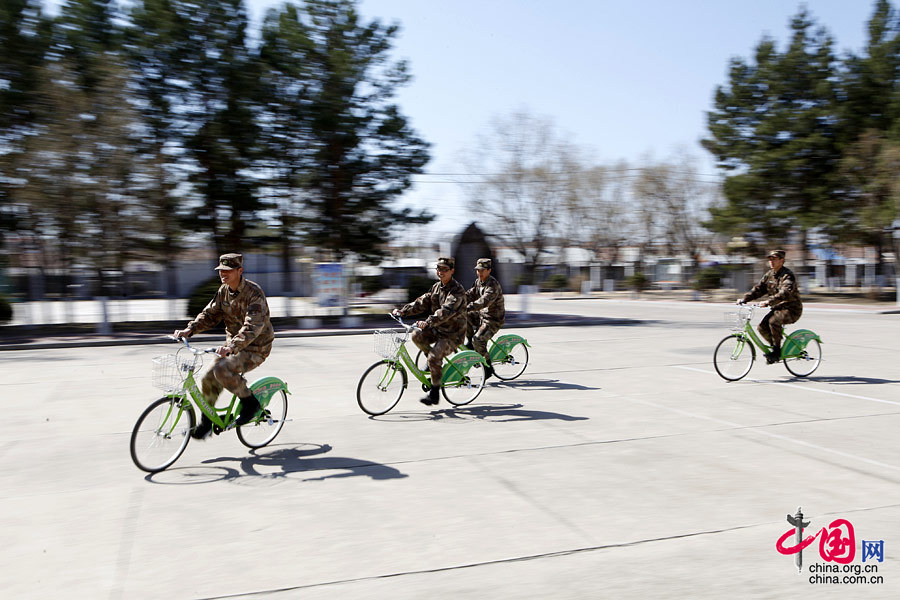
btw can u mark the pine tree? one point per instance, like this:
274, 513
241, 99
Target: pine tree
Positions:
775, 126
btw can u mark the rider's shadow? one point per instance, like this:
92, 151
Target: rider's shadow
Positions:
501, 413
850, 380
275, 464
541, 384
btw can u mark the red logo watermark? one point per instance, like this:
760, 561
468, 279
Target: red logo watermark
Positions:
837, 542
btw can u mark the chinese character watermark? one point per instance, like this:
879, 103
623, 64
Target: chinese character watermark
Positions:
873, 549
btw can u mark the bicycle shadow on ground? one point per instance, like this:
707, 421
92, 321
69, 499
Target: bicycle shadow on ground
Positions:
541, 385
500, 413
850, 380
276, 464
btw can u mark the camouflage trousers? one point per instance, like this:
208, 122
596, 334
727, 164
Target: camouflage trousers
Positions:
772, 325
227, 373
479, 331
435, 348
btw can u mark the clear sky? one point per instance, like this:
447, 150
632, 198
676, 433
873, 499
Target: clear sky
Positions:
624, 80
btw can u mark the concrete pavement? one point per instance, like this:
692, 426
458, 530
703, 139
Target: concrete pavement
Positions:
618, 466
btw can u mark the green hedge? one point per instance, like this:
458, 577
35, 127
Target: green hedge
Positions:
709, 278
638, 282
418, 286
201, 295
370, 284
557, 282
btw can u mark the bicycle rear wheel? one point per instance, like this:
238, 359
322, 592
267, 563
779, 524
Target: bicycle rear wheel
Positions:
808, 360
380, 387
513, 364
421, 362
161, 434
734, 357
465, 389
262, 430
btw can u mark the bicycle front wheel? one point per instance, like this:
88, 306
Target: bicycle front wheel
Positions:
263, 429
808, 360
380, 387
513, 364
734, 357
465, 389
161, 434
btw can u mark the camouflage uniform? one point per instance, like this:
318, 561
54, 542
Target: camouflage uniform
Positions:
249, 334
785, 305
486, 311
445, 327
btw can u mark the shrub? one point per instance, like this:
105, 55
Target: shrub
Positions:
371, 284
557, 282
522, 279
417, 286
5, 310
709, 278
201, 295
638, 282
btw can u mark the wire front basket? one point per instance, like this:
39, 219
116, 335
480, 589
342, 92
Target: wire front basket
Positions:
737, 320
388, 342
170, 370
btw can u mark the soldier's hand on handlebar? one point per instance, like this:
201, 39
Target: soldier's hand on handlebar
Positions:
223, 351
182, 333
421, 324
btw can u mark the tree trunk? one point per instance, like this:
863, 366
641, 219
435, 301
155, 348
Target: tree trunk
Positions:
286, 257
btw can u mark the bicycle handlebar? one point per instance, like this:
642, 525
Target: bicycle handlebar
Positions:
399, 319
196, 351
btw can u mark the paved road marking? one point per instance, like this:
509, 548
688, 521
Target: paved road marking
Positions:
799, 387
777, 436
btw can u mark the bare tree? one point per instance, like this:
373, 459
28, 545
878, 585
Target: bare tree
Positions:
522, 178
671, 201
597, 213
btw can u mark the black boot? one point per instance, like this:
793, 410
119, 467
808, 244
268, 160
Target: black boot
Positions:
488, 371
469, 345
202, 430
774, 356
432, 397
249, 406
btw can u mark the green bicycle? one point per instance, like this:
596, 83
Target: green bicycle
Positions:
163, 430
381, 385
509, 356
801, 351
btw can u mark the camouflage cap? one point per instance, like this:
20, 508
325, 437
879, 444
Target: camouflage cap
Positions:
483, 263
230, 261
446, 261
776, 254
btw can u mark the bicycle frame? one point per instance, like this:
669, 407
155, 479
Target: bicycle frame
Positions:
748, 332
263, 389
793, 346
451, 372
454, 371
191, 392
